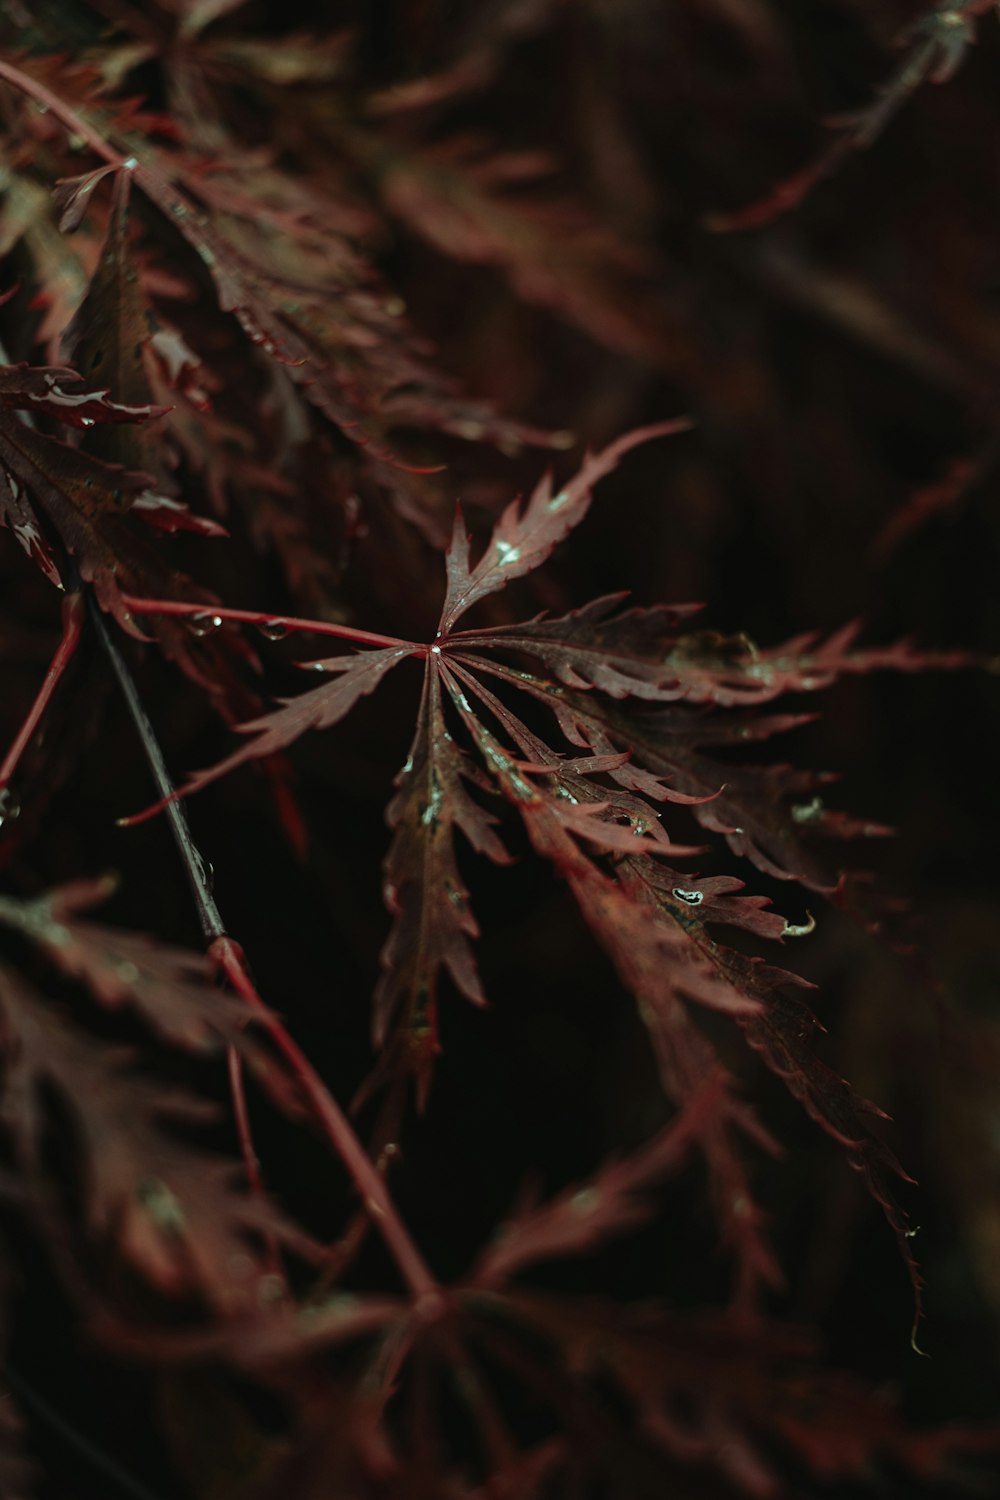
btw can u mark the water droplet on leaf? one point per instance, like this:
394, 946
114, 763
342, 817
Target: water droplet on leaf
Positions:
455, 896
10, 806
807, 812
163, 1208
585, 1201
271, 1289
693, 898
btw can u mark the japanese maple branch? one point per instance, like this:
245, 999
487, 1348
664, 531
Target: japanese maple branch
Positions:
209, 916
228, 955
244, 1133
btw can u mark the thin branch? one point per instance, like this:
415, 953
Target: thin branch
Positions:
251, 1162
209, 916
72, 628
229, 957
84, 1447
267, 622
336, 1126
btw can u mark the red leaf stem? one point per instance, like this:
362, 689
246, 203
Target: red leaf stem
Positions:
370, 1184
73, 617
290, 623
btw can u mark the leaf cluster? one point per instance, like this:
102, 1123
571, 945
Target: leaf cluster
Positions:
221, 430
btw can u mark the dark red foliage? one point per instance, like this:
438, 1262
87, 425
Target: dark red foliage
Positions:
509, 1184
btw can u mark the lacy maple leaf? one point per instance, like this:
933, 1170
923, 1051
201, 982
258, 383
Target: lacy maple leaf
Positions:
176, 1213
85, 498
635, 702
